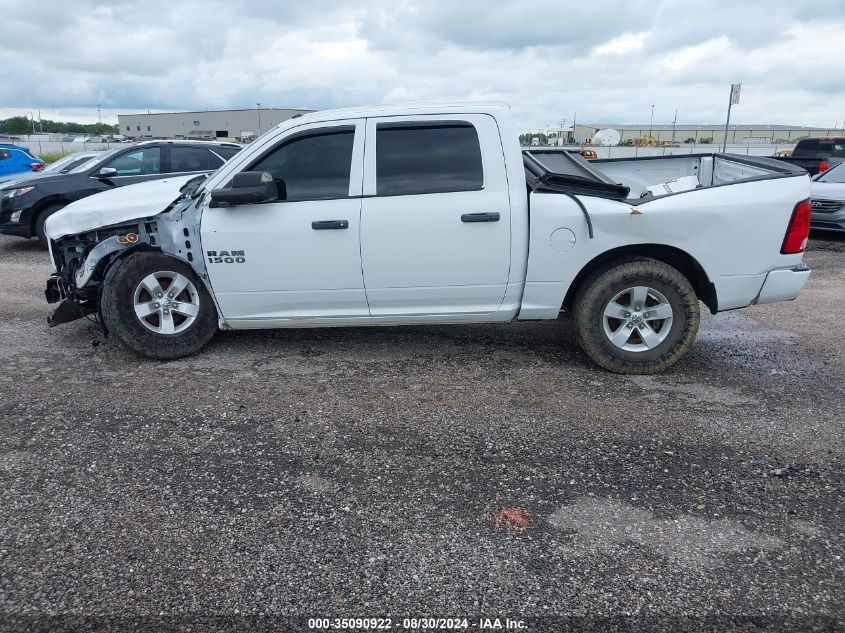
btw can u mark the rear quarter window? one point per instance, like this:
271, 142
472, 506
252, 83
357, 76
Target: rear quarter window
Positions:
226, 152
820, 147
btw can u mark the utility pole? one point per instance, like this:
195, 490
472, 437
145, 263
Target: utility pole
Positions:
651, 121
734, 99
574, 118
99, 115
259, 118
562, 139
674, 124
32, 116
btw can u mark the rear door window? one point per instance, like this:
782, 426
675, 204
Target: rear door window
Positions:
188, 159
419, 158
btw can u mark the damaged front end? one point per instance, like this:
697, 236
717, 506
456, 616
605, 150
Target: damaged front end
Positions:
84, 248
82, 262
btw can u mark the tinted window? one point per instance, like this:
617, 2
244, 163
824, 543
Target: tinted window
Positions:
192, 159
226, 152
4, 154
426, 158
313, 167
138, 163
820, 147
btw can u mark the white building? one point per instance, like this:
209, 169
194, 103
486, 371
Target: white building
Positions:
204, 124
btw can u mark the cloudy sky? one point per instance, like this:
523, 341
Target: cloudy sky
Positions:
607, 61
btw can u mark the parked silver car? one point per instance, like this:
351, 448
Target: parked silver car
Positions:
827, 197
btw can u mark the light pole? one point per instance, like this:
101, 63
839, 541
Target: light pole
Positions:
258, 105
651, 121
674, 124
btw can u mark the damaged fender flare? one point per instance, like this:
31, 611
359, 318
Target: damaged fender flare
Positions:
96, 255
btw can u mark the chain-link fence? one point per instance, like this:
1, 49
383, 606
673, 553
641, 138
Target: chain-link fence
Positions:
39, 148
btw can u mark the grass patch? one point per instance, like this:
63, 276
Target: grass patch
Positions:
52, 157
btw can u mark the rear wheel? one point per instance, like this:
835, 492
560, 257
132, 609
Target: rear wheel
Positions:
41, 219
157, 307
636, 317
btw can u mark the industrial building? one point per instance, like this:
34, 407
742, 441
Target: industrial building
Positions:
204, 124
737, 134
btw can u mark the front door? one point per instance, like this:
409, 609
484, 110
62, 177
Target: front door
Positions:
435, 222
300, 258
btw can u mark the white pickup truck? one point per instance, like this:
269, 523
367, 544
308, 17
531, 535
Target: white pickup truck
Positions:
409, 215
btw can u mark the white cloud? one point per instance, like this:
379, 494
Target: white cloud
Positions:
607, 61
627, 43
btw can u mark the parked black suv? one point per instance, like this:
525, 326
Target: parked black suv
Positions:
25, 206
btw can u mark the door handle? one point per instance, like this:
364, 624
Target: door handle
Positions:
480, 217
325, 225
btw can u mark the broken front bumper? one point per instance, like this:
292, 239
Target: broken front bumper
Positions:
67, 310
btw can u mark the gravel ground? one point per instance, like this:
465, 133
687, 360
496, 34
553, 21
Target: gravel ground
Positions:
363, 472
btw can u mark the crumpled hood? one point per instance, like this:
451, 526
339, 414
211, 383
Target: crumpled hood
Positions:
120, 204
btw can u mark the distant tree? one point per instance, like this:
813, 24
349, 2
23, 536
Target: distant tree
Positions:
16, 125
23, 125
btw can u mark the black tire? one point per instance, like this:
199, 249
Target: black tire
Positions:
117, 305
41, 218
596, 293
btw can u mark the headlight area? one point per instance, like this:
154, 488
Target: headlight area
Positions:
81, 261
15, 193
69, 255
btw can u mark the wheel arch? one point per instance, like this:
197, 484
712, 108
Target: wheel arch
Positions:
111, 263
679, 259
45, 203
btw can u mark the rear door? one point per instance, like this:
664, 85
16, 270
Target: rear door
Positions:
435, 218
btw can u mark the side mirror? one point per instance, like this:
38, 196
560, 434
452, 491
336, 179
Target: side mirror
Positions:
247, 187
107, 172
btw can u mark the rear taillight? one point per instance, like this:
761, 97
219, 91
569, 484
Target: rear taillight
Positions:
823, 166
795, 240
37, 166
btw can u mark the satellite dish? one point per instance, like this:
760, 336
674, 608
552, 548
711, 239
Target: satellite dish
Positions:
606, 137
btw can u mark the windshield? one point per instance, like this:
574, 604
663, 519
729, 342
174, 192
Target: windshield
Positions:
96, 159
837, 174
67, 163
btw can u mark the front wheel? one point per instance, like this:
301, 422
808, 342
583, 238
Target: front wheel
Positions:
157, 307
636, 317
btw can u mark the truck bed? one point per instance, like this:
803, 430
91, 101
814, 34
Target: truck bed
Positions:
609, 177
